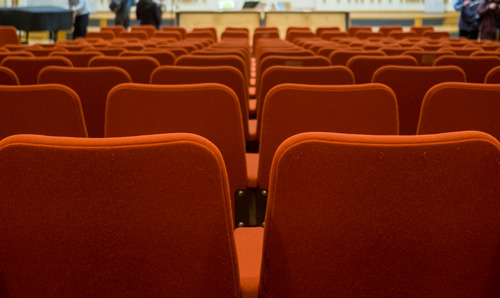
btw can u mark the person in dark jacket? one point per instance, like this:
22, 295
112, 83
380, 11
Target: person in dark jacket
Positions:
489, 12
149, 13
122, 15
468, 24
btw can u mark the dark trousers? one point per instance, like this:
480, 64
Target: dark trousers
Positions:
80, 27
469, 34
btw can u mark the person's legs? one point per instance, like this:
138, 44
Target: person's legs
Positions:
80, 26
473, 35
126, 18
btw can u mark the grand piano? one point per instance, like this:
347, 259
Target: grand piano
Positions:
38, 18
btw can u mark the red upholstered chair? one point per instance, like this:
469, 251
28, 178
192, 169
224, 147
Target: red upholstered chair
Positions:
419, 30
341, 57
353, 30
8, 35
149, 29
117, 29
164, 57
92, 84
181, 30
402, 35
8, 77
436, 34
321, 29
290, 109
392, 216
427, 58
141, 35
313, 75
363, 67
4, 55
297, 61
28, 68
143, 216
106, 35
40, 109
410, 85
210, 110
225, 75
113, 51
139, 68
387, 29
461, 106
493, 76
78, 59
475, 67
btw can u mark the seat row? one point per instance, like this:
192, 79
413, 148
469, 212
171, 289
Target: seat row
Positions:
212, 111
348, 215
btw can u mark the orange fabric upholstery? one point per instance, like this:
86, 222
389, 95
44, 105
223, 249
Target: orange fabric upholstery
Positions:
4, 55
8, 35
117, 29
163, 57
493, 76
293, 108
410, 85
215, 60
249, 247
386, 29
40, 109
475, 67
100, 219
140, 34
210, 110
8, 77
314, 75
363, 67
461, 106
181, 30
352, 30
78, 59
28, 68
427, 58
92, 84
392, 216
139, 68
341, 57
225, 75
106, 35
150, 30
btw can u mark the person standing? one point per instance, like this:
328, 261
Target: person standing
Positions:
82, 11
468, 24
122, 16
149, 13
489, 12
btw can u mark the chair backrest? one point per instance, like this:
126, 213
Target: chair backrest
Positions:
419, 30
290, 109
8, 77
493, 76
115, 217
410, 85
461, 106
78, 59
392, 216
117, 29
139, 68
106, 35
475, 67
352, 30
181, 30
215, 60
341, 57
8, 35
141, 35
427, 58
40, 109
313, 75
363, 67
150, 30
4, 55
92, 84
387, 29
28, 68
164, 57
296, 61
225, 75
210, 110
